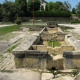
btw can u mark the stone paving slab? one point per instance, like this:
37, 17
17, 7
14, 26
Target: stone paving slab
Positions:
47, 76
29, 75
3, 47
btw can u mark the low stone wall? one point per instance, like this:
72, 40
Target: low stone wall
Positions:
60, 36
52, 33
42, 30
45, 36
63, 48
38, 63
31, 59
58, 64
39, 47
71, 60
56, 50
27, 44
71, 40
59, 30
52, 30
59, 50
32, 28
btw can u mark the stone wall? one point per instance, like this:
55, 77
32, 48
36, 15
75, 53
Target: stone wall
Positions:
60, 36
32, 28
31, 59
52, 33
59, 30
56, 50
38, 63
45, 36
52, 30
71, 40
63, 48
59, 50
39, 47
58, 64
71, 60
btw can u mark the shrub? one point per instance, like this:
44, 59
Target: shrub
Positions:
75, 21
18, 21
54, 72
74, 72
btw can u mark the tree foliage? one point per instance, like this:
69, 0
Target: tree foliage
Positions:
8, 11
78, 9
0, 12
35, 4
46, 8
59, 6
73, 11
42, 9
21, 6
67, 6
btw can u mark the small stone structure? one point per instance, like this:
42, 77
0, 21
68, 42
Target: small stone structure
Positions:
32, 54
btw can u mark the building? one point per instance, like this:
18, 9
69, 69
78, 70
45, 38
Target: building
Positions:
43, 3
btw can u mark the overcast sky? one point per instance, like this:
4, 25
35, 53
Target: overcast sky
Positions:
72, 2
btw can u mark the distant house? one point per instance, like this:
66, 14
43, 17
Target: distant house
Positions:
43, 3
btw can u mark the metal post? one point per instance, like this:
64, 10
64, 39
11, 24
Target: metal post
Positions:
33, 11
52, 44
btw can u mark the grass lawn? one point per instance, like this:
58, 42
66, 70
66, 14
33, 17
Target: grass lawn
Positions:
65, 28
7, 29
55, 43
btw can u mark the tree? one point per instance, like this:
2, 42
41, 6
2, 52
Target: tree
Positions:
73, 11
0, 12
60, 6
50, 6
42, 9
31, 4
8, 11
18, 21
67, 6
21, 6
46, 8
78, 9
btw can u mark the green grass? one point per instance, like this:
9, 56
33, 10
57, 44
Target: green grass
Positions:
55, 43
7, 29
65, 28
13, 47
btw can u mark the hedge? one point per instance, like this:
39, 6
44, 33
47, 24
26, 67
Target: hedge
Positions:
49, 14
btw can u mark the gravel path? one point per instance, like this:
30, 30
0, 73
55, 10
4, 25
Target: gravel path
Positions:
6, 25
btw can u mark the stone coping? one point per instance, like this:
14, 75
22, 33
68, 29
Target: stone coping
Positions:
30, 52
26, 44
74, 42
